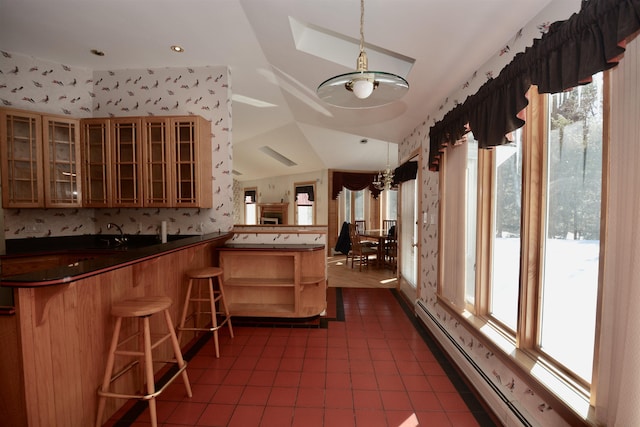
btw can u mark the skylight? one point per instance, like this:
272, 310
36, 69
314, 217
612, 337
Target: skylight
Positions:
343, 50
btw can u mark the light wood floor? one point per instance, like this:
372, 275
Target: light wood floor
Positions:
343, 276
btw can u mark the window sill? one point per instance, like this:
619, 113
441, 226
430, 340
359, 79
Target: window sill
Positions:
568, 400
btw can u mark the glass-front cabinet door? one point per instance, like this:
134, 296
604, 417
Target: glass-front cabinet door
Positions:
157, 163
22, 171
127, 170
96, 152
191, 152
62, 162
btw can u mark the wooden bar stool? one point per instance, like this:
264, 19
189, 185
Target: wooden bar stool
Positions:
142, 308
200, 277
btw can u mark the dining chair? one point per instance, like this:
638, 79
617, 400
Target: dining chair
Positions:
361, 225
358, 250
387, 224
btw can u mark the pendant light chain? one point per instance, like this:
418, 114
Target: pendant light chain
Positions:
361, 25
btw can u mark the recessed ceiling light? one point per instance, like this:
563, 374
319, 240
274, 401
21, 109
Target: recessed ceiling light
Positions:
97, 52
177, 48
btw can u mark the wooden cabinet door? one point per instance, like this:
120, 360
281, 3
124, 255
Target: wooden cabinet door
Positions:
191, 151
22, 171
96, 160
62, 166
158, 163
126, 162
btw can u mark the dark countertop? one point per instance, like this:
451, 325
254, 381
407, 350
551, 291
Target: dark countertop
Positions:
110, 256
268, 247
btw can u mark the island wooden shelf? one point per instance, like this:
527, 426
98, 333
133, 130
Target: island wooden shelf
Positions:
274, 280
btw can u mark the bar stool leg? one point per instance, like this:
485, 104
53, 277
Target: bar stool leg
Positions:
148, 368
185, 309
109, 370
178, 352
214, 317
225, 307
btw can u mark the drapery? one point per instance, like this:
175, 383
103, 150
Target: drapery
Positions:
618, 363
405, 172
354, 181
567, 55
305, 189
250, 196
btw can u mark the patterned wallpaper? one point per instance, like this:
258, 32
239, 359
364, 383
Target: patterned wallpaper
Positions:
41, 86
516, 389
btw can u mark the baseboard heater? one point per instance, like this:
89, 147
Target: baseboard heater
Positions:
470, 368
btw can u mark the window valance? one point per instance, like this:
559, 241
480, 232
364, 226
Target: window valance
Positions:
405, 172
250, 196
305, 189
590, 41
354, 181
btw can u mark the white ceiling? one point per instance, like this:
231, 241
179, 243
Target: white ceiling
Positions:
448, 39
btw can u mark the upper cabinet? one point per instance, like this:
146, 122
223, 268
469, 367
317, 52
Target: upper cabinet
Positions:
191, 171
61, 161
56, 162
96, 154
126, 157
40, 160
149, 161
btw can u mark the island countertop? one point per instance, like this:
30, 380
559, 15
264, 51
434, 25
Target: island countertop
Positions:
104, 258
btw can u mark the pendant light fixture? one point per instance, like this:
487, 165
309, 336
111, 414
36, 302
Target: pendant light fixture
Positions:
362, 88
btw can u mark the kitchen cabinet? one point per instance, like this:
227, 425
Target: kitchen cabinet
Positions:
96, 153
177, 162
148, 162
274, 280
126, 159
40, 160
62, 167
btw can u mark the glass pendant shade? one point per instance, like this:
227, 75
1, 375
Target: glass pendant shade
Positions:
362, 88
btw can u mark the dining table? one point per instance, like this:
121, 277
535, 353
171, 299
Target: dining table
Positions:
379, 236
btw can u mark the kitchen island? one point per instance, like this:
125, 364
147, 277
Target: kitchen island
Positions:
55, 346
275, 280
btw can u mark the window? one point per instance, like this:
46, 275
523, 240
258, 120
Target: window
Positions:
250, 207
505, 233
305, 196
531, 241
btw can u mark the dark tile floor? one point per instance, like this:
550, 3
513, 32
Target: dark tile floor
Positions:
370, 363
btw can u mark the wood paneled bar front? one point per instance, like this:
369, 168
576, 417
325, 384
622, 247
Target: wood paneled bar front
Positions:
55, 346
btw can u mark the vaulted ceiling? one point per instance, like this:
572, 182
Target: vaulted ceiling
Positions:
278, 52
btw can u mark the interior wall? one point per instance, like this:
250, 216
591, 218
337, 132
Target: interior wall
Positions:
280, 189
47, 87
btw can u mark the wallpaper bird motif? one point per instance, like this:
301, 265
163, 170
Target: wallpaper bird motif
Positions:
46, 87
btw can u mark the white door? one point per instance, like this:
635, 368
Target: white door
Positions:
408, 238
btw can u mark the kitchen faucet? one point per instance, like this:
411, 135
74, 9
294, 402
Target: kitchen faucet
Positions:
120, 240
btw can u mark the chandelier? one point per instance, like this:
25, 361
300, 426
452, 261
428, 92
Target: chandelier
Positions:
384, 179
362, 88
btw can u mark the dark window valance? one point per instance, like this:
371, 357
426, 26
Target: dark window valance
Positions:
354, 181
305, 189
566, 56
405, 172
250, 196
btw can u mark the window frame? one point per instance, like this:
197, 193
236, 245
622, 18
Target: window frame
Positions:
313, 202
255, 203
525, 353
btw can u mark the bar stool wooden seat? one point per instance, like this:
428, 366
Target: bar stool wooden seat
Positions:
141, 308
199, 277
